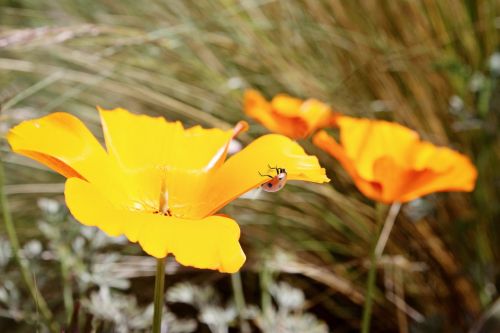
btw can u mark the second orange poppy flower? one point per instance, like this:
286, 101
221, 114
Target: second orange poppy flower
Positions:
389, 163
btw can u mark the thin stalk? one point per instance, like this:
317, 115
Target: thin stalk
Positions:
40, 302
376, 253
159, 293
386, 230
239, 299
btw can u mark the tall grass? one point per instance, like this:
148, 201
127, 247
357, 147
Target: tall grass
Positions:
425, 64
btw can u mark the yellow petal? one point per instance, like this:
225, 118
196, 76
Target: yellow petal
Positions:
210, 243
140, 141
240, 173
61, 142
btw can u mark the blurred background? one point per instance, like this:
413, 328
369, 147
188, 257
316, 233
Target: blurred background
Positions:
433, 66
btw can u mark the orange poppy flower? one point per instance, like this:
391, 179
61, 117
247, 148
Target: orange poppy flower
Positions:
157, 183
287, 115
389, 163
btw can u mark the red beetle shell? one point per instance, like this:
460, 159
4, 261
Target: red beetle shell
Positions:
276, 183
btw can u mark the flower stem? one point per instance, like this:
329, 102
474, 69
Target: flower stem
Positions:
376, 253
23, 267
159, 293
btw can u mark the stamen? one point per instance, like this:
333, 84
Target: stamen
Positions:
164, 201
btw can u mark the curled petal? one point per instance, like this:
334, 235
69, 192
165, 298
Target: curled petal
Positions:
210, 243
61, 142
240, 173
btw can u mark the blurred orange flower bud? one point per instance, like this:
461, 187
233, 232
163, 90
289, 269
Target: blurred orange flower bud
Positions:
287, 115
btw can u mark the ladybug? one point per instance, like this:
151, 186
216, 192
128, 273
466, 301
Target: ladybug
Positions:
277, 182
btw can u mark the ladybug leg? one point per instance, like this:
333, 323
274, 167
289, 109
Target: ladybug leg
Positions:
265, 175
275, 168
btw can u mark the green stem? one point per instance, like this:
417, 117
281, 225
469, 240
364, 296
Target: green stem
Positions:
23, 266
375, 255
159, 293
